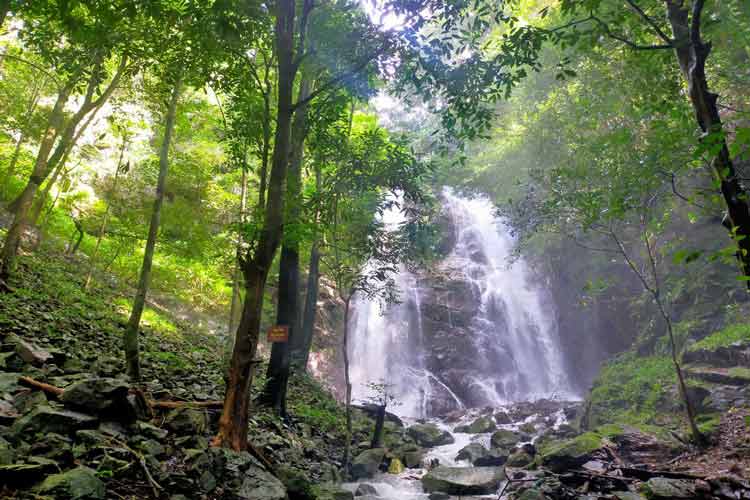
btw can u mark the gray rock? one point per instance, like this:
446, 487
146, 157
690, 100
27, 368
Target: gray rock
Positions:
47, 419
504, 439
662, 487
7, 453
413, 459
151, 431
96, 395
478, 426
519, 459
186, 421
27, 351
429, 435
207, 482
463, 480
80, 482
493, 458
365, 489
329, 491
9, 382
26, 401
367, 463
472, 452
532, 494
21, 474
260, 485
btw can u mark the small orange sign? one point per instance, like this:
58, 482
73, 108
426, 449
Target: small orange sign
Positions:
278, 333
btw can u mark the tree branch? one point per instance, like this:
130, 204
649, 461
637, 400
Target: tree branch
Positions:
650, 21
695, 24
629, 43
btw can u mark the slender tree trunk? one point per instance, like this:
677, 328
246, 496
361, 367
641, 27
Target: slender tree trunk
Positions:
38, 173
41, 199
130, 341
303, 344
4, 9
105, 217
377, 436
277, 375
10, 172
235, 310
347, 380
81, 233
234, 416
692, 53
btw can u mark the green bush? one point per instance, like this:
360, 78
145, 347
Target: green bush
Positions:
724, 337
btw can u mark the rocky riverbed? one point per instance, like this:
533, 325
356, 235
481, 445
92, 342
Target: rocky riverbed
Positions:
531, 451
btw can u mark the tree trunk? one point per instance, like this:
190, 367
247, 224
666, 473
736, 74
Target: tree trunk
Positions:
56, 169
234, 416
130, 341
301, 348
4, 9
235, 308
105, 217
81, 233
377, 436
300, 354
277, 375
348, 443
11, 170
692, 53
38, 174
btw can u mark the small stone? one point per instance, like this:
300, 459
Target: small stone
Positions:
662, 487
151, 431
152, 447
519, 459
26, 401
80, 482
207, 482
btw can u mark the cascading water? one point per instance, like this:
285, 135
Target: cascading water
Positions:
474, 331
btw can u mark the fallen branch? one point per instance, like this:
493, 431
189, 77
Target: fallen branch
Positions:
154, 485
35, 384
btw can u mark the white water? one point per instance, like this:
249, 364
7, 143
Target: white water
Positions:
513, 333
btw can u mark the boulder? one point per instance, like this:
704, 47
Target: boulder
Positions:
519, 459
413, 459
47, 419
527, 428
186, 421
365, 489
329, 491
571, 453
504, 439
367, 463
502, 418
429, 435
21, 475
80, 482
260, 485
463, 480
296, 482
478, 426
493, 458
472, 452
96, 394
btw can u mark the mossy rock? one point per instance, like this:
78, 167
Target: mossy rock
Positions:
572, 452
504, 439
478, 426
78, 483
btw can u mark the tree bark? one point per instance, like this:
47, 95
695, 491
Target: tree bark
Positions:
277, 375
130, 340
234, 416
300, 354
38, 173
11, 170
692, 53
234, 310
377, 436
347, 380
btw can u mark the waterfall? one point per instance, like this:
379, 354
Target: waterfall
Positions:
475, 330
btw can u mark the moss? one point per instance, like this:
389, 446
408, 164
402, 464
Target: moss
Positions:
634, 390
579, 445
740, 372
709, 424
733, 333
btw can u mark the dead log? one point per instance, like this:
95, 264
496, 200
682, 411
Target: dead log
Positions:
35, 384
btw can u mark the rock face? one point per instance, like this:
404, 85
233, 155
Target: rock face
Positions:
463, 480
430, 435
